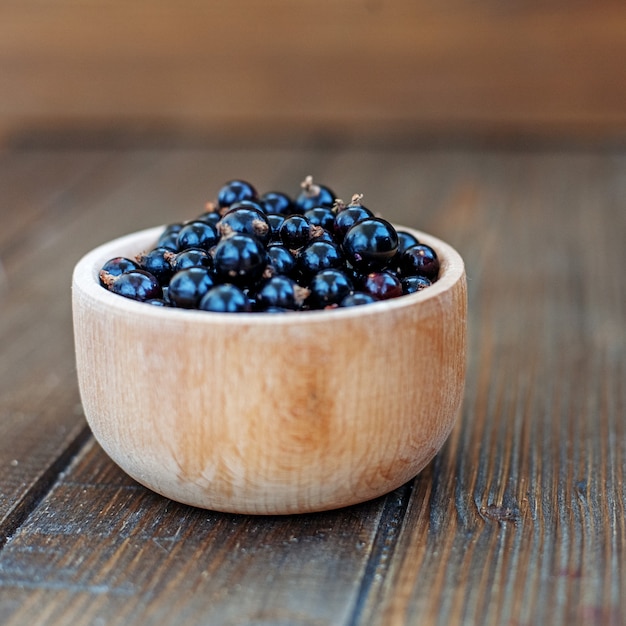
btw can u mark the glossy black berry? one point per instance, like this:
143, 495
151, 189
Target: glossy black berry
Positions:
357, 278
275, 220
187, 287
314, 195
169, 237
357, 299
382, 285
347, 218
280, 260
282, 292
158, 263
239, 259
411, 284
114, 268
235, 191
137, 285
192, 257
246, 221
295, 231
278, 203
328, 288
317, 256
197, 235
321, 216
405, 240
247, 204
209, 217
225, 298
419, 260
370, 244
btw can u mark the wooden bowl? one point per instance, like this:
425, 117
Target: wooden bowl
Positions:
270, 413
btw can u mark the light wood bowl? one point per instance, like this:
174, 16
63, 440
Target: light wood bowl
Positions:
270, 413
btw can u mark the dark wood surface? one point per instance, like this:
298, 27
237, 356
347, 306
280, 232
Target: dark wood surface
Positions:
519, 521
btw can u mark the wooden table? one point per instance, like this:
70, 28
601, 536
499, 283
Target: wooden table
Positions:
519, 521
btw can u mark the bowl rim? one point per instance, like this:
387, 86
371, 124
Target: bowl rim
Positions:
85, 282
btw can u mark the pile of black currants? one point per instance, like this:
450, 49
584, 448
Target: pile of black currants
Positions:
271, 253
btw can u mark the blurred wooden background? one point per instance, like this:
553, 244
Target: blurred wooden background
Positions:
278, 70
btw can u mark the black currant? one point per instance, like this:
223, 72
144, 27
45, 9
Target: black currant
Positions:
318, 255
197, 235
278, 203
328, 287
137, 285
239, 259
347, 217
382, 285
280, 291
280, 260
158, 263
411, 284
321, 216
115, 267
405, 240
225, 298
235, 191
295, 231
169, 237
246, 204
370, 244
247, 221
209, 217
188, 286
192, 257
419, 260
314, 195
275, 220
357, 298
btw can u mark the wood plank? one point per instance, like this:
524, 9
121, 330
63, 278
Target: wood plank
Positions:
522, 518
349, 69
101, 548
41, 423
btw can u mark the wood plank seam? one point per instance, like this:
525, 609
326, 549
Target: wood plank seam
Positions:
383, 549
41, 487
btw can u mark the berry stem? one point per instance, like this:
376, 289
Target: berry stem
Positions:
309, 187
338, 205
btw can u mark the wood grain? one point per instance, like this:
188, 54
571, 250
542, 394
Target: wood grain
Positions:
282, 71
539, 504
519, 520
114, 551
